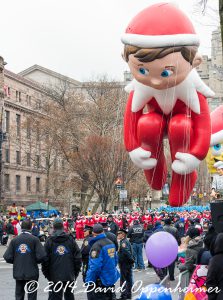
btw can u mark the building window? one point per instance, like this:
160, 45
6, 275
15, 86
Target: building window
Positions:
18, 124
7, 182
28, 129
7, 120
38, 104
28, 184
18, 183
8, 92
37, 161
7, 155
37, 184
28, 159
18, 157
20, 98
55, 164
37, 132
17, 95
29, 100
63, 164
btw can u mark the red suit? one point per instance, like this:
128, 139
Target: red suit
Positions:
65, 226
79, 229
89, 222
188, 132
103, 219
119, 223
96, 219
146, 219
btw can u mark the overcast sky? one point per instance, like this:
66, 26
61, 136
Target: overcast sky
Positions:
80, 38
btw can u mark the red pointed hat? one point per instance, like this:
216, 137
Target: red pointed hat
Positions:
217, 126
160, 25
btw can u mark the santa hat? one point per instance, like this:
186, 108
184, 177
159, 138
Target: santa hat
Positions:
160, 25
217, 126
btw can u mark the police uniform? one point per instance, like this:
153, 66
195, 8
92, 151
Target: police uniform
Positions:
126, 262
63, 264
85, 250
25, 252
102, 265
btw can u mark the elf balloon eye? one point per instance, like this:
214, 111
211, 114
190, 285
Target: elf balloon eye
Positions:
166, 73
143, 71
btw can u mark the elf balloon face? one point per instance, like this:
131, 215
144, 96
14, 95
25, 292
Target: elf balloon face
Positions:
162, 73
161, 57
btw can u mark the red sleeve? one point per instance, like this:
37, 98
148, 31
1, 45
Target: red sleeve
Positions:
130, 126
202, 130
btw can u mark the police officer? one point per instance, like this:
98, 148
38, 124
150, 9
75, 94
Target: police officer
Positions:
126, 262
112, 226
135, 235
85, 249
63, 261
25, 252
102, 269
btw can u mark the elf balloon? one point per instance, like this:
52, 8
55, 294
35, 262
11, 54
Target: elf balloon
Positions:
167, 99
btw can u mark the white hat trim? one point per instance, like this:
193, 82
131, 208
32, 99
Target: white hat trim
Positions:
217, 138
155, 41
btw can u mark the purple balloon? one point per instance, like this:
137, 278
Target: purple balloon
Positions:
161, 249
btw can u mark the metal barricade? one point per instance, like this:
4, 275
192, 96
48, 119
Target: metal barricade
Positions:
183, 283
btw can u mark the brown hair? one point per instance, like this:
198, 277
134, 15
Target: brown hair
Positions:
148, 55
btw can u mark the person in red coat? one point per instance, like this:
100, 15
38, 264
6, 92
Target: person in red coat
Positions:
65, 225
146, 219
90, 221
79, 227
119, 222
96, 218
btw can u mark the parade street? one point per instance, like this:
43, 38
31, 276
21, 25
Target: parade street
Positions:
8, 283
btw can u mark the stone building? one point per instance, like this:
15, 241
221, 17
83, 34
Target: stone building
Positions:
23, 162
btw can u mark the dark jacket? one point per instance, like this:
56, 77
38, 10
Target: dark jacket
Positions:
192, 251
125, 223
35, 230
203, 257
102, 261
9, 229
112, 237
125, 254
172, 230
135, 234
63, 258
85, 249
147, 235
25, 252
180, 226
215, 270
112, 227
